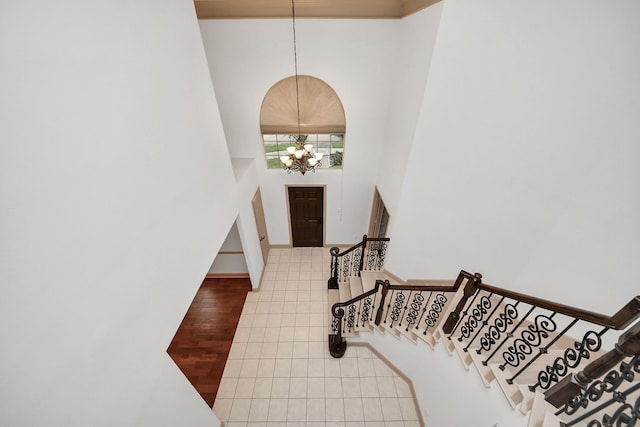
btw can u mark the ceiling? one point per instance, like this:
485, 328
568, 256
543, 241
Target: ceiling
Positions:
242, 9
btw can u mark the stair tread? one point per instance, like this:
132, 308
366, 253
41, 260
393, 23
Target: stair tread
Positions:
355, 286
369, 279
345, 291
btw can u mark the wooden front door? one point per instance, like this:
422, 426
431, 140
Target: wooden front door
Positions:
261, 224
306, 206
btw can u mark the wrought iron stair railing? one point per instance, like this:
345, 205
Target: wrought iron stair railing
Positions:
523, 343
607, 391
412, 310
366, 255
526, 343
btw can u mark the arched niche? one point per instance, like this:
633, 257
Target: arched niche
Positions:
321, 111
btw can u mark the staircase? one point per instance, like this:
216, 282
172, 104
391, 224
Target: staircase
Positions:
551, 361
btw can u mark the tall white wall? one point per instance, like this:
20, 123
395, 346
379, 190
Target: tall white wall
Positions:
416, 41
523, 167
116, 192
523, 163
355, 57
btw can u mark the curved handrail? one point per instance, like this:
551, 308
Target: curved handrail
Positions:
620, 320
357, 263
335, 307
336, 344
335, 251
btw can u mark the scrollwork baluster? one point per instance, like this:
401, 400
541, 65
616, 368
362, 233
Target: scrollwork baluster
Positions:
397, 307
478, 314
509, 335
366, 310
357, 256
346, 266
572, 357
532, 336
437, 306
351, 316
416, 304
500, 326
406, 306
608, 385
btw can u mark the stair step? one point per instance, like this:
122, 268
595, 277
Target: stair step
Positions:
355, 285
409, 334
542, 413
345, 291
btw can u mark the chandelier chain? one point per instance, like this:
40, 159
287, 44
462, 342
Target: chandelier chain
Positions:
295, 61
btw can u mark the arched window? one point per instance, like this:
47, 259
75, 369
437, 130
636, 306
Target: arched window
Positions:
321, 119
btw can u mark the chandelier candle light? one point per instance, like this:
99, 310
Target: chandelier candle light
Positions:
301, 157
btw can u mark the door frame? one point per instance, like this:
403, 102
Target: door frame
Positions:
260, 220
324, 210
377, 209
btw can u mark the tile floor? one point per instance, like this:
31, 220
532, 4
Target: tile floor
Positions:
279, 371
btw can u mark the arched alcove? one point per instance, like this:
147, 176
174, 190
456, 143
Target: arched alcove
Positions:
321, 111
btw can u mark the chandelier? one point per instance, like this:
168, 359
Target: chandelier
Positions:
301, 157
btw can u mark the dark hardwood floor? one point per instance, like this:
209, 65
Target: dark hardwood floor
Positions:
202, 342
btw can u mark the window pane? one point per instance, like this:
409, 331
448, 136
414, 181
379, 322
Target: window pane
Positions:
330, 145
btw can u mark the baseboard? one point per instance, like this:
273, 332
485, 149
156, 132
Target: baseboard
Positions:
227, 276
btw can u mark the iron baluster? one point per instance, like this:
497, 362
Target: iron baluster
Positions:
620, 418
509, 336
484, 322
477, 315
382, 251
609, 384
418, 299
335, 324
406, 306
543, 350
397, 306
371, 255
436, 308
357, 258
424, 310
591, 342
366, 310
346, 266
500, 325
351, 316
530, 337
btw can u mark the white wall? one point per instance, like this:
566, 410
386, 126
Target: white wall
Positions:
116, 192
416, 41
448, 394
523, 164
230, 262
355, 57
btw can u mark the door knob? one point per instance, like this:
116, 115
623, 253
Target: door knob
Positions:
262, 238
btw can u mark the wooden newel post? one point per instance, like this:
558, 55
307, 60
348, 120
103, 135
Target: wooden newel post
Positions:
570, 386
469, 290
364, 248
383, 296
333, 280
